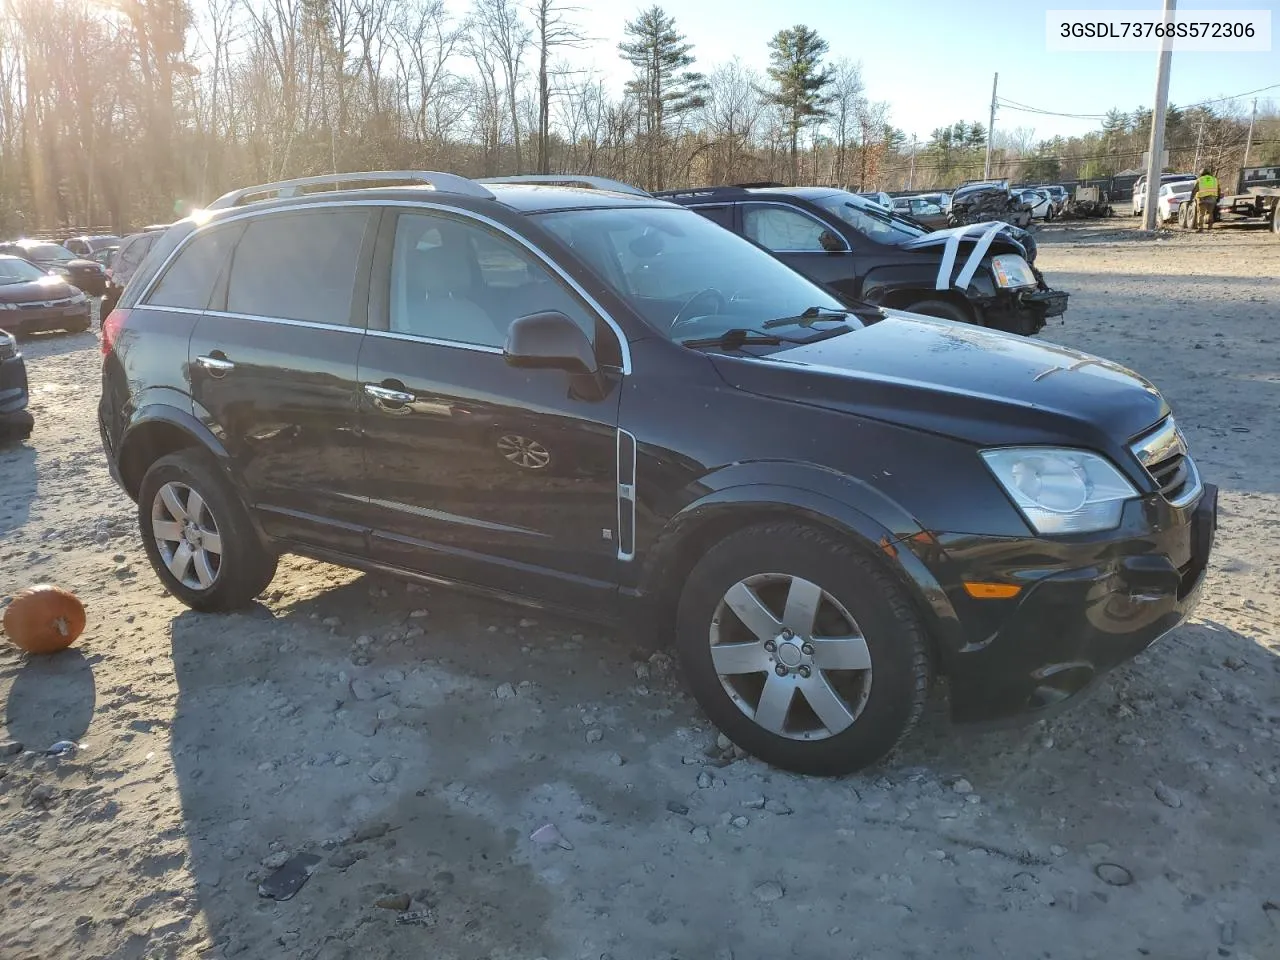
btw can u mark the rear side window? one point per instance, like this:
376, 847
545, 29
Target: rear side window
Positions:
720, 215
188, 282
299, 266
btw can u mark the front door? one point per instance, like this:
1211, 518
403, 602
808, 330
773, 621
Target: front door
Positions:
804, 243
475, 470
273, 370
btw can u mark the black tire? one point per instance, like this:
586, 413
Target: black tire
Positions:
894, 636
245, 565
942, 309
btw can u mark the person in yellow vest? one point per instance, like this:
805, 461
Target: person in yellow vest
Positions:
1205, 196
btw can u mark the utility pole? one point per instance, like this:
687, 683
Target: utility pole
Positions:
991, 123
1248, 140
911, 172
1150, 214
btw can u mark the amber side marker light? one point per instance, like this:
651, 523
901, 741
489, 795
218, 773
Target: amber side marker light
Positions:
991, 591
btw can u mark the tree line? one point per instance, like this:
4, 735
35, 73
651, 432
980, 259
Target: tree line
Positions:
133, 112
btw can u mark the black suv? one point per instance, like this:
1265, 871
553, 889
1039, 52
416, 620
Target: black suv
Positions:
596, 401
980, 273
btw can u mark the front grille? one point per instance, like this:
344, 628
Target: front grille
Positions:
1163, 454
44, 304
1171, 475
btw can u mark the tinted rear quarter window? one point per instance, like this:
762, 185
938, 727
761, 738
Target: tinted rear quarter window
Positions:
189, 280
299, 266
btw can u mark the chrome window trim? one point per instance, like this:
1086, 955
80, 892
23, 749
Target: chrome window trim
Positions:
251, 213
434, 341
259, 318
804, 213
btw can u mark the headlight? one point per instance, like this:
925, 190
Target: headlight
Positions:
1062, 491
1012, 271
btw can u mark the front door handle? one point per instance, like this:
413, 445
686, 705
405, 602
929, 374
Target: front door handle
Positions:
388, 395
217, 366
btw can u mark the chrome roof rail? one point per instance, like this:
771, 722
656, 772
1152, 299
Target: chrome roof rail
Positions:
570, 180
444, 182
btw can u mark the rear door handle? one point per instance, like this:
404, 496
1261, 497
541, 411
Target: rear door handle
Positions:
387, 395
217, 366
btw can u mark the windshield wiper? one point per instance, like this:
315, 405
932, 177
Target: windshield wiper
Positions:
861, 309
739, 337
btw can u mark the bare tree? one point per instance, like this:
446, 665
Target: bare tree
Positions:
507, 38
552, 31
846, 101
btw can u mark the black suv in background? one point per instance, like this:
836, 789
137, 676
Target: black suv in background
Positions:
596, 401
56, 259
982, 273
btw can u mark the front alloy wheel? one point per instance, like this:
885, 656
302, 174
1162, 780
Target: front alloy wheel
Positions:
790, 656
780, 628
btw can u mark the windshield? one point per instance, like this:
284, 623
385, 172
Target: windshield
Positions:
47, 251
13, 270
871, 221
687, 277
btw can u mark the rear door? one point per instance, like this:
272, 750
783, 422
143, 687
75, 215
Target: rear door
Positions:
478, 471
803, 242
273, 369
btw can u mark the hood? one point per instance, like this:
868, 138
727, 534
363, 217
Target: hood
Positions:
1008, 239
46, 288
960, 381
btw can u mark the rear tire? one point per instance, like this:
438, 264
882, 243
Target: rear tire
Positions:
205, 551
846, 613
942, 309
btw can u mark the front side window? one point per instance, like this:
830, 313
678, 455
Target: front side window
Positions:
299, 266
458, 281
787, 231
189, 280
687, 277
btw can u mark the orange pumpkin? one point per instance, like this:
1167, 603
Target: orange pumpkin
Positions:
44, 619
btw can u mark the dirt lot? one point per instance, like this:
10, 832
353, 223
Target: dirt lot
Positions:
413, 740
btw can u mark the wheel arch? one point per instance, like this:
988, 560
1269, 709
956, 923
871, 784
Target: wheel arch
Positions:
157, 431
689, 535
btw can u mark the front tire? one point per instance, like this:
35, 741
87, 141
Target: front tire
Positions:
802, 650
198, 535
942, 309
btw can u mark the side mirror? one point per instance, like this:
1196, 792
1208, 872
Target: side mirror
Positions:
549, 340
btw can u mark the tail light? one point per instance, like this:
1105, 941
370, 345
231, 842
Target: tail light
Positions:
111, 329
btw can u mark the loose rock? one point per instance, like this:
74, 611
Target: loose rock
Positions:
595, 735
700, 835
1167, 795
398, 902
384, 771
778, 807
705, 780
962, 787
506, 691
769, 891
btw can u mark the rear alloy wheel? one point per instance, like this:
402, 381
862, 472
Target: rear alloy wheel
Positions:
803, 651
198, 535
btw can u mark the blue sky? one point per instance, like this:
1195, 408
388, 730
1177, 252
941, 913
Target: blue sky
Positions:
933, 60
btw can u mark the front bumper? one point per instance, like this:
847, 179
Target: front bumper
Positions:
1024, 311
74, 316
15, 419
1087, 605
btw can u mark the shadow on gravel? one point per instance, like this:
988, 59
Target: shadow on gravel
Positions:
272, 754
52, 698
18, 484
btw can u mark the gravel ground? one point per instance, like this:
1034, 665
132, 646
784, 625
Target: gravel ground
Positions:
412, 740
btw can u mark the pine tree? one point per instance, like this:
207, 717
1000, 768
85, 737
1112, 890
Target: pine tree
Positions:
663, 87
800, 82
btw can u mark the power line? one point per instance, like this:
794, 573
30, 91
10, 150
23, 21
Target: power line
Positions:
1027, 108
